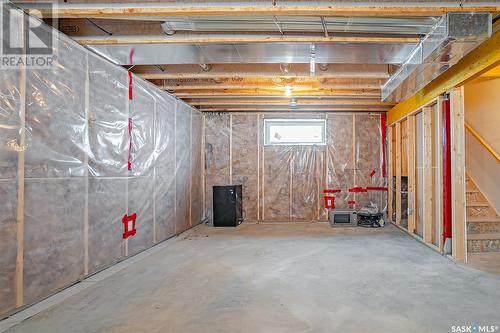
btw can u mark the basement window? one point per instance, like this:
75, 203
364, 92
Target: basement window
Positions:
294, 132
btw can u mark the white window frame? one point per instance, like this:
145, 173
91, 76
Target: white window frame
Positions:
293, 122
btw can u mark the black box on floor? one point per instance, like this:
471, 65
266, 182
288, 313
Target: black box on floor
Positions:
227, 205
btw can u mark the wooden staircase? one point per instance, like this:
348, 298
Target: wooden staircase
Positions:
483, 223
483, 230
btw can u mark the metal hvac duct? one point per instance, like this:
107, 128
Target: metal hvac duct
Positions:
170, 54
453, 36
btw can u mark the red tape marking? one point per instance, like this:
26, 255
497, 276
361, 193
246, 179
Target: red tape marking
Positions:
129, 158
337, 190
383, 127
131, 56
372, 173
130, 94
357, 189
126, 231
329, 202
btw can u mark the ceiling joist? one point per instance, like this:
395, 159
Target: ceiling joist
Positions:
152, 10
225, 39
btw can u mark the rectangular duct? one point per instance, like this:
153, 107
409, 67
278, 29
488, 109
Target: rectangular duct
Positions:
451, 38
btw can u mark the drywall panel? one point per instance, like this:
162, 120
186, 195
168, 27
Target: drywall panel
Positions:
481, 104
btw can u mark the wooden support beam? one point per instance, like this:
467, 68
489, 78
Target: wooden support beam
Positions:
273, 87
481, 59
459, 238
311, 93
238, 39
138, 10
411, 173
292, 109
390, 168
398, 173
428, 215
300, 102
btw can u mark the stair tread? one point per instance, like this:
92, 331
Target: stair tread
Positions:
472, 191
483, 219
492, 235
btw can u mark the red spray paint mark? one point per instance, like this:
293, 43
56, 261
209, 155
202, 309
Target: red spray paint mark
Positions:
126, 223
337, 190
372, 173
351, 202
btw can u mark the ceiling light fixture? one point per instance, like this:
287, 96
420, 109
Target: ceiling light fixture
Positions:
167, 28
288, 91
285, 68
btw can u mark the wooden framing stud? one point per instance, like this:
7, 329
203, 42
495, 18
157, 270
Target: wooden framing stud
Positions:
428, 215
398, 173
411, 173
459, 238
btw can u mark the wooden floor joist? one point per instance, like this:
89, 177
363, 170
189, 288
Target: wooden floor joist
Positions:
137, 10
300, 102
241, 39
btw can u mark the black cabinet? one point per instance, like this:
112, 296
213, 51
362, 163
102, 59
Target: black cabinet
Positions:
227, 206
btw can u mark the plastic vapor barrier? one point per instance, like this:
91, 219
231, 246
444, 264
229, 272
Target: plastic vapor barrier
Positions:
286, 182
80, 150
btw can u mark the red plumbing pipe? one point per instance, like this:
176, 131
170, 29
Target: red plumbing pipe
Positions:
446, 170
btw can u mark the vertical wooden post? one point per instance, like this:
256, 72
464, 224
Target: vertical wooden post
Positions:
398, 173
203, 168
19, 277
390, 166
231, 149
411, 173
428, 215
86, 172
438, 171
258, 166
459, 248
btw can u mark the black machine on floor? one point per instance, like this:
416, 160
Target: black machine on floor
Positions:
228, 210
370, 220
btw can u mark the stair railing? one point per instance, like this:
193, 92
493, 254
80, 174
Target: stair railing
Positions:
482, 141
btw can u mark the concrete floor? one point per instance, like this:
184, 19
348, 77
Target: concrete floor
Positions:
281, 278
